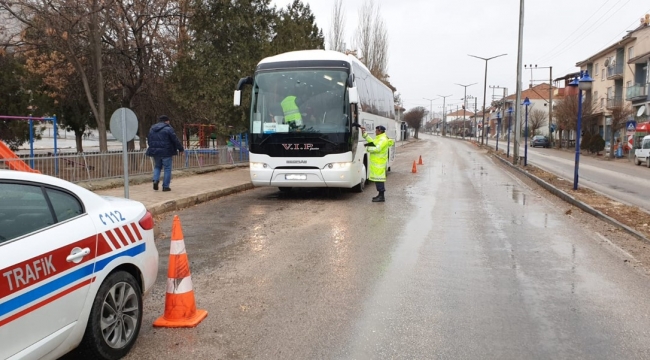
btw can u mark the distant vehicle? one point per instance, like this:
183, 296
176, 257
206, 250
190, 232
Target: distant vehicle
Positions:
326, 97
643, 153
540, 140
74, 269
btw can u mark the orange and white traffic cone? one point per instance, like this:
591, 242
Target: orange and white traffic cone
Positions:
420, 161
415, 168
180, 307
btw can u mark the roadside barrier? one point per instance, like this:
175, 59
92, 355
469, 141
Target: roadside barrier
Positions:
180, 306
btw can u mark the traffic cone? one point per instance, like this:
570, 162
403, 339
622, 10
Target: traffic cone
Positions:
420, 161
415, 168
180, 307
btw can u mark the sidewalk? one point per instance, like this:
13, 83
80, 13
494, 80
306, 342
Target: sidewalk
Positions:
187, 190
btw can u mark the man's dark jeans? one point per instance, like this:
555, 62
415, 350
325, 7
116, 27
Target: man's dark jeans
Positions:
159, 164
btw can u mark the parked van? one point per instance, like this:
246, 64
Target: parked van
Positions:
643, 152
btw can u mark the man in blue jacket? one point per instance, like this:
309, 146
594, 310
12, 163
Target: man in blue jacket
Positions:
163, 144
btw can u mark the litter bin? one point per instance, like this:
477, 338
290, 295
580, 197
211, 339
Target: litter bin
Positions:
619, 151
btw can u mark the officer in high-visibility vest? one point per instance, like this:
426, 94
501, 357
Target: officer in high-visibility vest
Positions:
377, 149
291, 111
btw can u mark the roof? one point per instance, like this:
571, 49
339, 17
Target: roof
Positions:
538, 92
461, 113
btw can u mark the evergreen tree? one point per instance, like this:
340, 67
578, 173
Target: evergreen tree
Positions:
228, 39
295, 29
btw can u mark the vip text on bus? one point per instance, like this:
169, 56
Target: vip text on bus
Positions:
306, 111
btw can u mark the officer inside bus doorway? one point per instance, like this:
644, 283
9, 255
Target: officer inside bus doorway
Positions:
377, 149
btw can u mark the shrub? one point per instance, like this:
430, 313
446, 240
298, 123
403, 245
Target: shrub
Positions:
597, 144
585, 142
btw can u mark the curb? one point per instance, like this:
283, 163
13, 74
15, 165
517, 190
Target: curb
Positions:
577, 203
181, 203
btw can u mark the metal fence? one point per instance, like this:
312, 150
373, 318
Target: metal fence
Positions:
97, 166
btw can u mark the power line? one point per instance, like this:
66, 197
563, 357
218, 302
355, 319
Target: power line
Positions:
571, 69
597, 23
576, 30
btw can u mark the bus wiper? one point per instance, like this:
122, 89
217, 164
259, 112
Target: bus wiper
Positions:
325, 139
264, 140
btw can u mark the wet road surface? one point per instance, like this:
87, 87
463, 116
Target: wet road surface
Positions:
619, 179
463, 261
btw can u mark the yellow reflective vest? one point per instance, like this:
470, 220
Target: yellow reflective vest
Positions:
291, 111
378, 158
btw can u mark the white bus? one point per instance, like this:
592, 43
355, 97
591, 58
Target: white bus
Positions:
335, 94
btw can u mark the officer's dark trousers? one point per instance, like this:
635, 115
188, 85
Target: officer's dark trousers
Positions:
380, 186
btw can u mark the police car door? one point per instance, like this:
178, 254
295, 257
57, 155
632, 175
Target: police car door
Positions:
48, 245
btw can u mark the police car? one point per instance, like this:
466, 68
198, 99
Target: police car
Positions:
74, 267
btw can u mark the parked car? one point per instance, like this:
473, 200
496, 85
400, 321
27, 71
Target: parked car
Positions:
540, 140
75, 267
642, 154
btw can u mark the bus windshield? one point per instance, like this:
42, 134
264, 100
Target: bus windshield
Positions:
300, 100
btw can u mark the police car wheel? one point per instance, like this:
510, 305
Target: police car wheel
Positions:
115, 318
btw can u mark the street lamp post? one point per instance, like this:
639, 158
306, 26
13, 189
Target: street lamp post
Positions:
444, 113
430, 108
509, 121
498, 127
464, 104
485, 90
583, 83
526, 103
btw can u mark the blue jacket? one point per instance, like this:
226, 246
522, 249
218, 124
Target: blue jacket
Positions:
163, 141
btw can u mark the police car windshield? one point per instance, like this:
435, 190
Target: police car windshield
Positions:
302, 100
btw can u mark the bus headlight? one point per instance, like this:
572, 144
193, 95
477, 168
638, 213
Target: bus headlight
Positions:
339, 165
258, 165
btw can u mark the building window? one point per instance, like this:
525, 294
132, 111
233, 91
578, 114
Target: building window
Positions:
596, 69
630, 52
602, 76
602, 103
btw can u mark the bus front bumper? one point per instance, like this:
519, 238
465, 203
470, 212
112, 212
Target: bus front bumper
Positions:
302, 178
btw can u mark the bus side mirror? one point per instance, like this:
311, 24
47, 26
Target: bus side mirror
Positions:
353, 95
237, 98
243, 81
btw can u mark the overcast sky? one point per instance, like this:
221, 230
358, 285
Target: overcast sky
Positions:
430, 40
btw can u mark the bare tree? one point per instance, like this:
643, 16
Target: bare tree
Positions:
414, 118
336, 34
371, 39
620, 112
536, 120
566, 114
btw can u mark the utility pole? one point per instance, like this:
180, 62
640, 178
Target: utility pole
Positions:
464, 104
520, 42
550, 97
505, 94
485, 87
430, 108
444, 115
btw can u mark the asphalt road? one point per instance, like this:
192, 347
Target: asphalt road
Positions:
619, 179
463, 261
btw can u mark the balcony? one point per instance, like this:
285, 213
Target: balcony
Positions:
636, 92
616, 101
615, 71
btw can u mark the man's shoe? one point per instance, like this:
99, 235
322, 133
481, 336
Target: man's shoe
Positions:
155, 185
167, 189
378, 199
